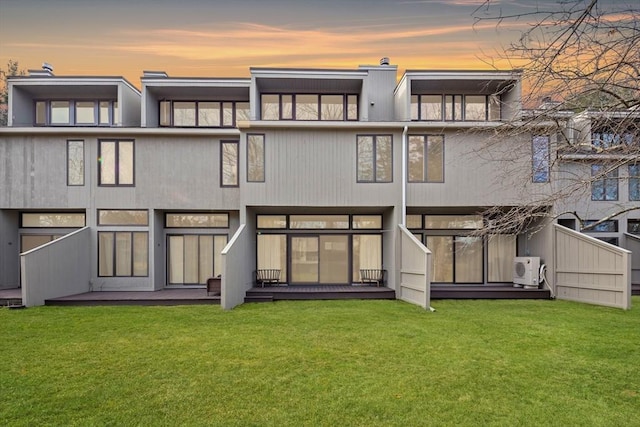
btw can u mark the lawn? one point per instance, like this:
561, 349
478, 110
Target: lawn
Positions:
322, 363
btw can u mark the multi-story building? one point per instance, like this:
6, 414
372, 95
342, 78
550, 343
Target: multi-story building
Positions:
307, 171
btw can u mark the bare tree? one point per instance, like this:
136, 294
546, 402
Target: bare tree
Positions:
580, 62
13, 69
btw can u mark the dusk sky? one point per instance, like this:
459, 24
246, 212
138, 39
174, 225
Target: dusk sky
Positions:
211, 38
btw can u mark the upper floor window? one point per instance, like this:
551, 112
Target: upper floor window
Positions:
426, 158
203, 113
540, 158
633, 226
608, 137
75, 113
229, 166
438, 107
634, 182
116, 163
604, 184
255, 158
338, 107
75, 162
375, 158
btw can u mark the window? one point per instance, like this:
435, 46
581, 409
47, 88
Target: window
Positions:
255, 158
194, 258
447, 222
634, 182
116, 163
604, 185
75, 112
426, 158
122, 217
475, 108
610, 226
414, 221
59, 113
633, 226
309, 107
374, 158
75, 162
123, 253
608, 137
197, 220
371, 222
540, 158
311, 222
272, 221
501, 248
455, 107
52, 220
229, 159
202, 113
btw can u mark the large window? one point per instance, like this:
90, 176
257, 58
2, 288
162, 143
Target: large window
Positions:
455, 107
122, 217
116, 163
426, 158
52, 220
197, 220
459, 257
540, 158
229, 160
255, 158
203, 113
604, 185
634, 182
123, 253
76, 112
375, 158
304, 106
194, 258
75, 162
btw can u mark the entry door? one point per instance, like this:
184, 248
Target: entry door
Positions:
320, 259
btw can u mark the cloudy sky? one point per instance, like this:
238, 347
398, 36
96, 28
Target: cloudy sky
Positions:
212, 38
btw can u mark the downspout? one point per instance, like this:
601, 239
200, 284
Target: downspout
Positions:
404, 175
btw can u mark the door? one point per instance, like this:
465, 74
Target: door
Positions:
320, 259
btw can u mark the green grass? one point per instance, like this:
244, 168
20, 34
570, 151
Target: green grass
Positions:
319, 363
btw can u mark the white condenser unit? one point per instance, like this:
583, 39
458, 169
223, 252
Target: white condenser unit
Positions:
525, 271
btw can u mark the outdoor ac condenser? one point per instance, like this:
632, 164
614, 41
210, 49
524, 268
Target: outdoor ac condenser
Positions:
525, 271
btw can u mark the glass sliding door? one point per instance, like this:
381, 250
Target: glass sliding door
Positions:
334, 260
193, 258
320, 259
304, 259
272, 253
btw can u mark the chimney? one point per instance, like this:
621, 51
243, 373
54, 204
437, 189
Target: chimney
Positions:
384, 61
45, 71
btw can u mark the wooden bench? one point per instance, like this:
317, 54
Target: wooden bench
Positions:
269, 276
372, 275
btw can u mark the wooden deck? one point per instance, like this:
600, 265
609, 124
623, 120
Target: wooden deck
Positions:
10, 297
13, 297
319, 292
486, 292
162, 297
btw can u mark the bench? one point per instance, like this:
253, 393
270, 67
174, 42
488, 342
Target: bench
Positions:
269, 276
372, 275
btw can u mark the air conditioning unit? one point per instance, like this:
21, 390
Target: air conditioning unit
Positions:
525, 271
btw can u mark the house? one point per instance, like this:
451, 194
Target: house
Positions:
317, 173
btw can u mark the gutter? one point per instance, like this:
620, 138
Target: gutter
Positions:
404, 175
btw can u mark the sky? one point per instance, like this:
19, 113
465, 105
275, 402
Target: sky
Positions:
212, 38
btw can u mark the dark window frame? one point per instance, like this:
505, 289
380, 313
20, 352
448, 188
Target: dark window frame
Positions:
634, 182
73, 112
264, 164
540, 167
604, 181
345, 105
197, 115
374, 180
425, 144
115, 250
117, 163
237, 144
196, 213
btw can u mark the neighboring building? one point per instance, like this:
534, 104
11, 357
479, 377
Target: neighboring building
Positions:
318, 166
